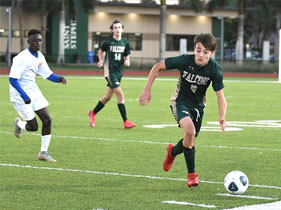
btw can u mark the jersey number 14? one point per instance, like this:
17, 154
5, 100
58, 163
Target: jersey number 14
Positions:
117, 56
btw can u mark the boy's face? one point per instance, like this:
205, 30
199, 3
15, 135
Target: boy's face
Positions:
117, 29
35, 42
202, 55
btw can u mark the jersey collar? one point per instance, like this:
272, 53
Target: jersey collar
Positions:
34, 54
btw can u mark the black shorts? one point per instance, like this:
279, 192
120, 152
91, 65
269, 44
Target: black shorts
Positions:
113, 81
181, 110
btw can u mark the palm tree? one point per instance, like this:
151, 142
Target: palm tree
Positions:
43, 8
240, 5
196, 5
69, 6
162, 46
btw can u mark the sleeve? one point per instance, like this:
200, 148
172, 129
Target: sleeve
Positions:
104, 46
17, 68
127, 49
43, 68
53, 77
217, 80
174, 62
15, 83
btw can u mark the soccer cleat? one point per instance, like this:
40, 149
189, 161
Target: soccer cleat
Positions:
192, 179
17, 129
43, 155
92, 116
128, 124
169, 160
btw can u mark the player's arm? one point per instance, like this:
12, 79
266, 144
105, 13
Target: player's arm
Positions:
15, 83
55, 78
145, 97
222, 105
127, 61
100, 54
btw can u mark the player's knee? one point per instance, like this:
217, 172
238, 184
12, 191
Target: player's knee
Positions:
31, 126
47, 121
189, 133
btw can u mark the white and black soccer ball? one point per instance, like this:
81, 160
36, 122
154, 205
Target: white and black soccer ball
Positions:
236, 182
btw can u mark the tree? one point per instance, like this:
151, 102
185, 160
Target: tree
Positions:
195, 5
70, 7
240, 5
162, 47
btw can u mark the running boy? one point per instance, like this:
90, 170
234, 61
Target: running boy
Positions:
117, 55
187, 103
25, 95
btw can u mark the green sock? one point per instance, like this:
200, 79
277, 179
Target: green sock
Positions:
122, 111
178, 148
189, 155
98, 107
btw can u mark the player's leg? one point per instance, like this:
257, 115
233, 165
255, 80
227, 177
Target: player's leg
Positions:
189, 150
92, 113
121, 106
29, 122
46, 136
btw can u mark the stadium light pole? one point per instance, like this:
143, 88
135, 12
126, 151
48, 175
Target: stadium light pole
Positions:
279, 73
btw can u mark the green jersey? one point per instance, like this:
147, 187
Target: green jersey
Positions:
194, 80
115, 52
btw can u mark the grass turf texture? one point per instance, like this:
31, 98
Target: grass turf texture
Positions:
101, 154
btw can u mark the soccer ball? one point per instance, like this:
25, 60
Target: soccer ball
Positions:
236, 182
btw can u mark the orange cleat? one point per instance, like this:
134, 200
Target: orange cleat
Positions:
192, 179
128, 124
169, 160
92, 118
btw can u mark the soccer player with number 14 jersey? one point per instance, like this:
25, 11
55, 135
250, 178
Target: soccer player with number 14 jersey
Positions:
117, 55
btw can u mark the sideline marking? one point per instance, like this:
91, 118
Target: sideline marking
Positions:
163, 79
203, 128
188, 204
267, 206
146, 142
121, 174
247, 196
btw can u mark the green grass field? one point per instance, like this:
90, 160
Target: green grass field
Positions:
110, 168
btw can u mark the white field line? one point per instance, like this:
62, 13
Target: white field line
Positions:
124, 175
146, 142
140, 78
189, 204
247, 196
266, 206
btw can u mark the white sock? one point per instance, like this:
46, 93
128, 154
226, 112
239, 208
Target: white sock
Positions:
22, 124
45, 141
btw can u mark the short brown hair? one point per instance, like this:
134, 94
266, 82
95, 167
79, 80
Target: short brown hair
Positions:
207, 40
114, 22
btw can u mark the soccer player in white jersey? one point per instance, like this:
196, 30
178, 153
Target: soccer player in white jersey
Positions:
25, 95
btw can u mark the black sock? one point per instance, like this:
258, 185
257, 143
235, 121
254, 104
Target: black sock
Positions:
178, 148
122, 111
98, 107
189, 155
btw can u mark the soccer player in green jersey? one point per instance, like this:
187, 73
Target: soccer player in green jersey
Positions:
117, 55
187, 103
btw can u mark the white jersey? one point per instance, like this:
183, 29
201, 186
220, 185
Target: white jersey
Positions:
25, 67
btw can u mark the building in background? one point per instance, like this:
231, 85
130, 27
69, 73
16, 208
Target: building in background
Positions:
84, 35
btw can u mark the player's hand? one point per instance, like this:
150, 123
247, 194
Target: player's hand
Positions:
127, 63
222, 124
27, 101
99, 64
145, 98
62, 80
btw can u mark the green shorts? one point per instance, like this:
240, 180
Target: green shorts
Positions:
113, 81
181, 110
